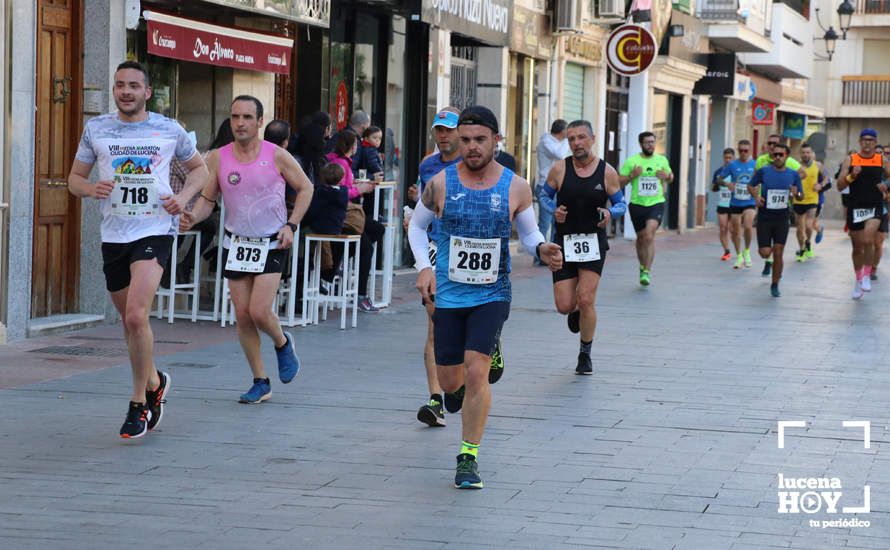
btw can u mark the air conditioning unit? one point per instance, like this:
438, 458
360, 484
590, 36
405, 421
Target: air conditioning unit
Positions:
568, 16
611, 9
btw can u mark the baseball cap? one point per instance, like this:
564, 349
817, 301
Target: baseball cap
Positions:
480, 115
446, 119
868, 132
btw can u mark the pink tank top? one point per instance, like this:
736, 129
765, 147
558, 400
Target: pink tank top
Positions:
253, 193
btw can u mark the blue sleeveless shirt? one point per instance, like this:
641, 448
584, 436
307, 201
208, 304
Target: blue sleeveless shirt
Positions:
474, 214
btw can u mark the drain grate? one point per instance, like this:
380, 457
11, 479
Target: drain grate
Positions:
82, 351
185, 365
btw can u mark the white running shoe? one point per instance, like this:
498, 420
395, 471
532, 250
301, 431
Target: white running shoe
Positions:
865, 283
857, 290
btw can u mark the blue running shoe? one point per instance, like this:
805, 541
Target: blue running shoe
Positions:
288, 362
820, 233
774, 290
259, 392
467, 476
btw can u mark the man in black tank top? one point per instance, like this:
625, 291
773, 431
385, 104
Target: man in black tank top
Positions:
862, 172
582, 184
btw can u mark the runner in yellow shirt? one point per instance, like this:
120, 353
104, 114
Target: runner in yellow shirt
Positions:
805, 209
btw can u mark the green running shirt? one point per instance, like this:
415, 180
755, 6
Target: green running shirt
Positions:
646, 189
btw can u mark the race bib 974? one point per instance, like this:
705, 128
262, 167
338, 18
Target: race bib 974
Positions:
776, 199
474, 261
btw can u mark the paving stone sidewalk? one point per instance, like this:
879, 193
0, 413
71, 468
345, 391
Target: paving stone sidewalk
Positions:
671, 444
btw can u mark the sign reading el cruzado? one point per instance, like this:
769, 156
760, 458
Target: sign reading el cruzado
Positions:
630, 50
485, 20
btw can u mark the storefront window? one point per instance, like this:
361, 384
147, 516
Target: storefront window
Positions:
162, 71
341, 77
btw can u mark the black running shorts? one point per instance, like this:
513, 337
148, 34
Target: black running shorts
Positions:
117, 257
477, 328
276, 261
771, 231
639, 215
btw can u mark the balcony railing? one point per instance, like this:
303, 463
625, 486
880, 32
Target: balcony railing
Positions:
721, 10
866, 90
873, 6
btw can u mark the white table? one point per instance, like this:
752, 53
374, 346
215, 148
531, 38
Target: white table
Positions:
384, 193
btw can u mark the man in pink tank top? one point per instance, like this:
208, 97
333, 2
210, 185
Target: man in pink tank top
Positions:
251, 174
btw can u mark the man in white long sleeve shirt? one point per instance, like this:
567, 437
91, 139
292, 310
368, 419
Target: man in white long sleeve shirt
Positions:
551, 147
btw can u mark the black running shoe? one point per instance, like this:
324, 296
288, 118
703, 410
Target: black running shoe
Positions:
454, 401
155, 400
767, 269
136, 424
467, 474
496, 370
584, 365
574, 321
432, 414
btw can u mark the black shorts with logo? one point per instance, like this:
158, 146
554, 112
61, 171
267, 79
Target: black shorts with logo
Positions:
639, 215
276, 261
878, 214
771, 230
477, 328
117, 257
736, 210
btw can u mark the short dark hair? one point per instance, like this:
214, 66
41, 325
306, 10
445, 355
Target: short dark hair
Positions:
744, 142
558, 126
371, 130
139, 67
256, 102
729, 151
277, 131
774, 136
321, 118
808, 146
783, 146
332, 174
644, 135
581, 124
343, 143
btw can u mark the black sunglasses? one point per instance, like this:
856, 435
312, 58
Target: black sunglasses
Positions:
779, 155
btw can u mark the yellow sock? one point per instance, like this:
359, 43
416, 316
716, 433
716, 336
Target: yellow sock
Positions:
469, 449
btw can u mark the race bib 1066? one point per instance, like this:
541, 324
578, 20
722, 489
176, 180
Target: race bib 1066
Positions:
134, 195
862, 214
474, 261
248, 254
581, 247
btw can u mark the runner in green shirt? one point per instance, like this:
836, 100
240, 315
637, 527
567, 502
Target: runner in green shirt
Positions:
767, 158
649, 174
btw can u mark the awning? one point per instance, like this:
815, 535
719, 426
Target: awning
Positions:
801, 109
200, 42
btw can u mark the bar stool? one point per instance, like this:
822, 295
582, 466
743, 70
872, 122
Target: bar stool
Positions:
192, 289
344, 294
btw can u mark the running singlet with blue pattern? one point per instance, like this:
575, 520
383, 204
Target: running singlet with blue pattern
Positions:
474, 243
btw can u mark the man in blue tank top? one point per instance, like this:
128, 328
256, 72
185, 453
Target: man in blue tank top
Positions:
476, 201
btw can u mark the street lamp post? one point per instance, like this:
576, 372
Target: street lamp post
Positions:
845, 15
830, 37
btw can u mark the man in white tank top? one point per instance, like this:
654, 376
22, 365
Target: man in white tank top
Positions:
251, 174
132, 150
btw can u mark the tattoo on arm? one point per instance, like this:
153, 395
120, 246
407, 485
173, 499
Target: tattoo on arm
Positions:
429, 197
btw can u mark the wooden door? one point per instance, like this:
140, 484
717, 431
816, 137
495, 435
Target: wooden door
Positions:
56, 247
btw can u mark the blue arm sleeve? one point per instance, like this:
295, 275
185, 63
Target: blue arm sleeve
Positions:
546, 196
619, 207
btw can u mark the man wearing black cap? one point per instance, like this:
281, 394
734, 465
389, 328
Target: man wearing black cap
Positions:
862, 172
475, 201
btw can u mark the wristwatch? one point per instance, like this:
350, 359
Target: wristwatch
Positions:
293, 226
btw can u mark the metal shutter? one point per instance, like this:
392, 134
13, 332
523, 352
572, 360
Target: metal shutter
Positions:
573, 92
